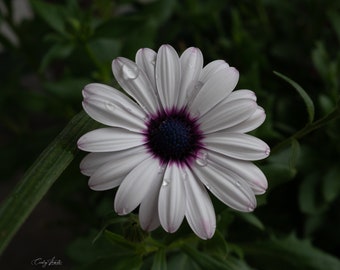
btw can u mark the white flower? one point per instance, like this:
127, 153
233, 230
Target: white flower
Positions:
181, 135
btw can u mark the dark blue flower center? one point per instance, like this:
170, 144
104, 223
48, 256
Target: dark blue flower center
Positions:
173, 136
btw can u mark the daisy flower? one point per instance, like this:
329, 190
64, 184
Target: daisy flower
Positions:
176, 139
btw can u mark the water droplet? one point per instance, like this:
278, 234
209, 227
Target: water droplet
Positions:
196, 114
267, 152
123, 212
127, 109
130, 72
202, 159
166, 182
161, 169
153, 62
237, 183
111, 106
198, 85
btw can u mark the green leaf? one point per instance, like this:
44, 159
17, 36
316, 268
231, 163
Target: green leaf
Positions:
308, 101
207, 262
40, 177
120, 240
159, 260
216, 245
105, 49
67, 88
310, 201
251, 219
289, 253
294, 155
181, 261
57, 51
52, 14
331, 185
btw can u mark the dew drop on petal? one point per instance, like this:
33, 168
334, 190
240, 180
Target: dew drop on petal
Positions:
153, 62
127, 109
202, 159
267, 152
166, 182
237, 183
123, 212
161, 169
130, 72
111, 107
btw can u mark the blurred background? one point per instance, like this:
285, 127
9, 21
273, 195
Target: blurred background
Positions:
50, 49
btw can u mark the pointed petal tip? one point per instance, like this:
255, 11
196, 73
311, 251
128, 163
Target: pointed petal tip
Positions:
80, 143
251, 207
121, 211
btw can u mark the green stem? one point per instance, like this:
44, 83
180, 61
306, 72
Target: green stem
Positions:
308, 128
40, 177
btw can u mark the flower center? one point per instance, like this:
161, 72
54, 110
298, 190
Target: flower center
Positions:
173, 136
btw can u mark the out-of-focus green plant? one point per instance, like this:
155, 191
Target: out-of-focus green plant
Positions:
70, 43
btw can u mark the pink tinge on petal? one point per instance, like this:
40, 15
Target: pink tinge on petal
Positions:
226, 186
146, 60
171, 202
237, 145
253, 122
244, 169
200, 212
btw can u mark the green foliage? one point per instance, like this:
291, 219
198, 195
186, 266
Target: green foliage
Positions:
289, 253
69, 43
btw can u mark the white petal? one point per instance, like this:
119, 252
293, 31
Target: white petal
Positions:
227, 114
112, 173
168, 76
148, 210
226, 186
253, 122
136, 186
244, 169
200, 212
241, 94
171, 203
109, 139
146, 60
93, 161
217, 87
211, 69
237, 145
134, 81
110, 107
191, 65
